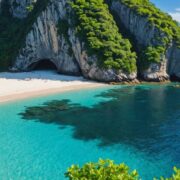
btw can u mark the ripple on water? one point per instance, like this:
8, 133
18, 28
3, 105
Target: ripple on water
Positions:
138, 125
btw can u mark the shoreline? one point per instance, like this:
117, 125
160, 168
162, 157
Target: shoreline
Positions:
50, 91
18, 86
24, 85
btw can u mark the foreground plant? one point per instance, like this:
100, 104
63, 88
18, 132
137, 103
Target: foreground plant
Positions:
107, 170
102, 170
175, 176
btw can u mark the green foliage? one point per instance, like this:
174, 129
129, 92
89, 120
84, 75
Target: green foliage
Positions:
95, 25
156, 17
103, 170
31, 6
151, 55
13, 32
168, 28
107, 170
175, 176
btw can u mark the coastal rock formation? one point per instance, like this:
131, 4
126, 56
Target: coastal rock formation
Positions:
43, 42
89, 67
144, 34
69, 55
52, 36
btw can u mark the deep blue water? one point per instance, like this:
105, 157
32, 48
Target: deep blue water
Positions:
139, 125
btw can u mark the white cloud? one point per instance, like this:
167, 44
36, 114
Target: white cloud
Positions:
176, 15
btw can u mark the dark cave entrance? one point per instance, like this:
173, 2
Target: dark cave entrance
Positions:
174, 78
44, 64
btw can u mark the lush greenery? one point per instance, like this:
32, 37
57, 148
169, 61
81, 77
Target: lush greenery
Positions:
13, 32
10, 33
151, 55
99, 31
168, 28
108, 170
103, 170
175, 175
155, 16
97, 28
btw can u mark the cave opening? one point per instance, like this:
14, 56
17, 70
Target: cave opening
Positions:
44, 64
174, 78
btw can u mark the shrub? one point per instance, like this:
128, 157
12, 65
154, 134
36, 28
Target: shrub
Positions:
175, 176
169, 29
108, 170
155, 16
97, 28
103, 170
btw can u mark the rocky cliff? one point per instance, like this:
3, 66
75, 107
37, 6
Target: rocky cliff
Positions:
46, 39
44, 42
145, 34
69, 55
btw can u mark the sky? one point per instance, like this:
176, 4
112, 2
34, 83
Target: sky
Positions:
170, 6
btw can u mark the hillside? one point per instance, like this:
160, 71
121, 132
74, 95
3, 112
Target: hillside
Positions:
112, 40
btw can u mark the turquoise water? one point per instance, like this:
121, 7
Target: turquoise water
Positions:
139, 125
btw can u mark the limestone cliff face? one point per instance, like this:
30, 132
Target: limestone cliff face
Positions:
145, 34
69, 56
88, 64
43, 42
68, 52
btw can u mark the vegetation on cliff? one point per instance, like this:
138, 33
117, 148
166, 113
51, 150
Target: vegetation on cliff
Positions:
156, 17
13, 31
169, 29
96, 27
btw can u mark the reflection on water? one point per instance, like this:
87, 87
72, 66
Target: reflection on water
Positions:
137, 125
146, 118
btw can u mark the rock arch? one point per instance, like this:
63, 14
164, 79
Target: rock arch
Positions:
43, 64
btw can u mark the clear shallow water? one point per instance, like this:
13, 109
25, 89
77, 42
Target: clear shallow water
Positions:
138, 125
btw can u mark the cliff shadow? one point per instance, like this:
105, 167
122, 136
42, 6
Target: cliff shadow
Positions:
133, 116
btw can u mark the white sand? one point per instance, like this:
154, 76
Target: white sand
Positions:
15, 86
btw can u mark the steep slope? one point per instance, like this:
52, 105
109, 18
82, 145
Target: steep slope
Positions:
13, 30
44, 42
68, 51
82, 37
156, 35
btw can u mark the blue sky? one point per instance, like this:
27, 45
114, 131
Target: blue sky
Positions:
170, 6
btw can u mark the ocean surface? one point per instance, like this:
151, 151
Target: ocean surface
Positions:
138, 125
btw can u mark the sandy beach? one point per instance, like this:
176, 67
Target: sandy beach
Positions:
23, 85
